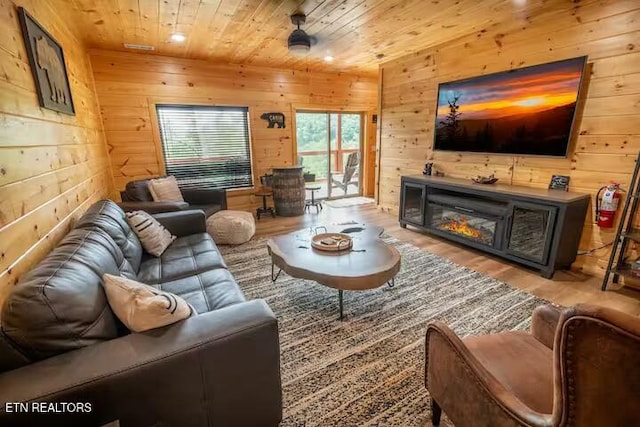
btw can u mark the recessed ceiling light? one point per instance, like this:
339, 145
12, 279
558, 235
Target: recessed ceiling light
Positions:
138, 46
328, 58
177, 37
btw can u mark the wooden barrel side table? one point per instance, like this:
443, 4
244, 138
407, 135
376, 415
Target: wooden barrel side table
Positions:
287, 184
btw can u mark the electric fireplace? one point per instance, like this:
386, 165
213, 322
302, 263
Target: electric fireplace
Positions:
475, 220
466, 225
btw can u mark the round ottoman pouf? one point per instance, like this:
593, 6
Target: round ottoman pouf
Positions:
231, 227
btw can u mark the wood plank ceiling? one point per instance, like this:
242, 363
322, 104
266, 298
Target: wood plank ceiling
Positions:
354, 32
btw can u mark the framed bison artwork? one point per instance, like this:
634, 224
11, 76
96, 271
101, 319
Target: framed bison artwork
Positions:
47, 64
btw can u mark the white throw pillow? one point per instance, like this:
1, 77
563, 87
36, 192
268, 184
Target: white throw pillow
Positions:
153, 236
165, 190
142, 307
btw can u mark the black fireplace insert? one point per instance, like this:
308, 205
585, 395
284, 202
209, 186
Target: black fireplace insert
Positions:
479, 221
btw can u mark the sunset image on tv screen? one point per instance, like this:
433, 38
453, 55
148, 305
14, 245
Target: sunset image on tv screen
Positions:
523, 111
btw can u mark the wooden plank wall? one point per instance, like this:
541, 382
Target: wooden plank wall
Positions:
608, 136
52, 165
129, 84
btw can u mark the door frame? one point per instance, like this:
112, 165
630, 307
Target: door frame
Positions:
364, 116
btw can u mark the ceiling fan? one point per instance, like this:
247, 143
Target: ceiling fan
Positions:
299, 42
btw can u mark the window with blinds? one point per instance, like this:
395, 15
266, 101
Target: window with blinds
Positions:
206, 147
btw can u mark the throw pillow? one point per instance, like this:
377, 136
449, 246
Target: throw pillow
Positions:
165, 190
153, 236
142, 307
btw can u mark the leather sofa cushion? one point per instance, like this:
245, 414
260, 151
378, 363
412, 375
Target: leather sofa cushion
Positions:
10, 356
206, 291
108, 216
138, 191
61, 305
208, 209
521, 363
186, 256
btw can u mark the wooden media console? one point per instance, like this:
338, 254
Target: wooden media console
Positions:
534, 227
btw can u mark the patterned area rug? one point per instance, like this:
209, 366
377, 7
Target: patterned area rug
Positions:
368, 370
349, 201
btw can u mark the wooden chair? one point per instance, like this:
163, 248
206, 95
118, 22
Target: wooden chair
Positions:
578, 367
350, 174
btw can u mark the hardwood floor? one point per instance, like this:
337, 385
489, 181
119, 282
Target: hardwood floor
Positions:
566, 288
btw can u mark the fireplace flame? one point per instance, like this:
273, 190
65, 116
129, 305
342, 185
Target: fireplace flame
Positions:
461, 226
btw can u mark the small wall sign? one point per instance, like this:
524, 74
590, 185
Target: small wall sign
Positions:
559, 182
274, 119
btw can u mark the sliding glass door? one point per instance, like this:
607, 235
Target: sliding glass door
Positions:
329, 150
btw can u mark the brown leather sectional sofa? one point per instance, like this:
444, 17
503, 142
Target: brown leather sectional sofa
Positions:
60, 342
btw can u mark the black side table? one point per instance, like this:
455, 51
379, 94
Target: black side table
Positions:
313, 201
264, 209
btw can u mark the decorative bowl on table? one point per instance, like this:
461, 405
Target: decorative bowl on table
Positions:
491, 179
332, 242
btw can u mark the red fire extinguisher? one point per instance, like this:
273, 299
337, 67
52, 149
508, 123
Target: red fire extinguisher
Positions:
607, 206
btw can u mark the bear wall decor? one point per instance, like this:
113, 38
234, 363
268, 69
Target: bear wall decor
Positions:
274, 119
47, 65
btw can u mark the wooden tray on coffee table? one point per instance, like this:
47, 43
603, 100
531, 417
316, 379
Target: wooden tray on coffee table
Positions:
332, 242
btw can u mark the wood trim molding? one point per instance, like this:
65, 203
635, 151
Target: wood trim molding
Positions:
376, 190
157, 139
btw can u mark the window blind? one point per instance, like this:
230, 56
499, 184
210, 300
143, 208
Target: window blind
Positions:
205, 146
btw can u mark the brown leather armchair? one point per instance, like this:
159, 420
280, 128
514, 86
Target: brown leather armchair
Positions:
578, 367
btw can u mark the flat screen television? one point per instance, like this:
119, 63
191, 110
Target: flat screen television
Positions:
526, 111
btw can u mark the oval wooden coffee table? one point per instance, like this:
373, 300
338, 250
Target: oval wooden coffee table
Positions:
369, 264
